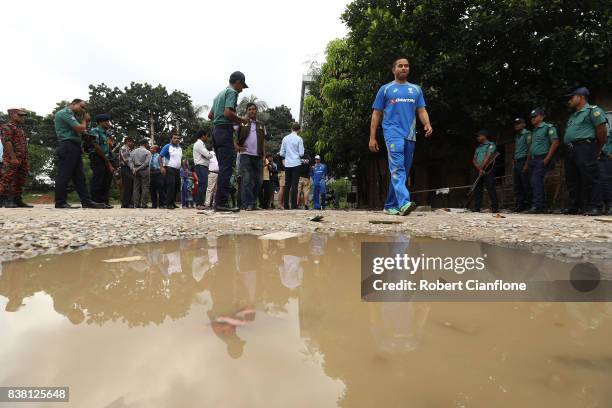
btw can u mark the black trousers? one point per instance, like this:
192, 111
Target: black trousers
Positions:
127, 181
158, 194
522, 185
70, 168
226, 156
101, 179
582, 176
292, 179
265, 194
173, 184
488, 181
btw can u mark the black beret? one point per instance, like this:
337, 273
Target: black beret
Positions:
103, 117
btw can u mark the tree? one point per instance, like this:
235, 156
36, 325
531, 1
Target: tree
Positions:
278, 125
142, 110
479, 63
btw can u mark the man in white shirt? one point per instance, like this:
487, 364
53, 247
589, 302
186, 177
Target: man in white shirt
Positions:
172, 153
213, 174
201, 159
292, 150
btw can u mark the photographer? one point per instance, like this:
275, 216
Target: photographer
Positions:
69, 154
100, 160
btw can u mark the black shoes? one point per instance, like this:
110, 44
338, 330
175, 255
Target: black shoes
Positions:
570, 211
535, 210
93, 205
9, 203
223, 208
594, 212
65, 206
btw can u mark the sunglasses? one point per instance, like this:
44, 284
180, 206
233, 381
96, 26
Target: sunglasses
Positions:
22, 114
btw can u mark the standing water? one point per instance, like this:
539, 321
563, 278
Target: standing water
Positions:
242, 322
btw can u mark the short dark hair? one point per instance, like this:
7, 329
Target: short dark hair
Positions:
129, 139
400, 58
251, 104
143, 142
201, 132
77, 100
295, 127
174, 133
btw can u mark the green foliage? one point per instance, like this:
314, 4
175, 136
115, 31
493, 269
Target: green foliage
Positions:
42, 168
479, 63
278, 125
138, 106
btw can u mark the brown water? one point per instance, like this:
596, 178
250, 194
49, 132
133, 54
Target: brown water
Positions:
241, 322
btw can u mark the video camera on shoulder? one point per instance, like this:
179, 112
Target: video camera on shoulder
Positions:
88, 142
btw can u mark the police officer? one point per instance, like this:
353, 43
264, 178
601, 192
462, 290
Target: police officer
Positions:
15, 158
100, 161
69, 153
544, 144
319, 177
522, 186
605, 172
585, 137
482, 158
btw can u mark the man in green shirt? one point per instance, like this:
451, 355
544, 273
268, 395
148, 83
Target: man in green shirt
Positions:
544, 144
605, 172
69, 153
482, 158
585, 137
522, 187
223, 114
99, 159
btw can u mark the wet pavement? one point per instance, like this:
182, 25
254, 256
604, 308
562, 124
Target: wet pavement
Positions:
236, 321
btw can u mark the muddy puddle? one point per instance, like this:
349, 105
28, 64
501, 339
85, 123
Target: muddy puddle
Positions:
241, 322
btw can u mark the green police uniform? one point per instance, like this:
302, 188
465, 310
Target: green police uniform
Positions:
541, 139
64, 122
521, 144
227, 98
482, 150
582, 172
101, 139
607, 149
582, 124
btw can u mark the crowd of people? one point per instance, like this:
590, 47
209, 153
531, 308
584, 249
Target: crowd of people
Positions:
233, 166
231, 169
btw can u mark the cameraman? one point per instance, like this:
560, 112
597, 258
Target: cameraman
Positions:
69, 154
99, 158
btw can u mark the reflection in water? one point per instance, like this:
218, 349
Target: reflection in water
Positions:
285, 317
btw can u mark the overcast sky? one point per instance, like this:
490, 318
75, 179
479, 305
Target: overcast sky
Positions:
52, 50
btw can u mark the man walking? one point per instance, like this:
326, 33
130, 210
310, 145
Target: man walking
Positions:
223, 114
585, 137
520, 168
397, 104
201, 159
483, 156
319, 177
292, 150
250, 144
544, 144
140, 159
70, 154
157, 180
100, 161
173, 153
127, 178
15, 157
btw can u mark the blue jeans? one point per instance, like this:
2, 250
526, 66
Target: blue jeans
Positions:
251, 175
319, 190
202, 173
226, 156
400, 153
